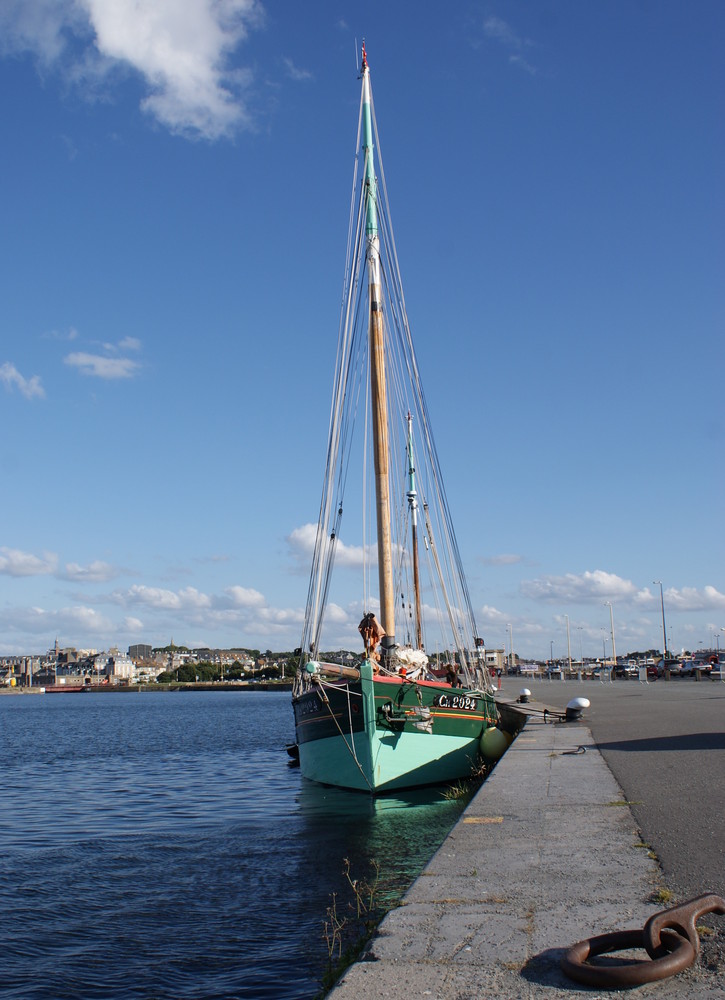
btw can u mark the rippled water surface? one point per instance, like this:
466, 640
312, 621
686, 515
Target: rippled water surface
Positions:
158, 845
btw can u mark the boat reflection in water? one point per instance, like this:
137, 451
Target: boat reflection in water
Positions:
398, 833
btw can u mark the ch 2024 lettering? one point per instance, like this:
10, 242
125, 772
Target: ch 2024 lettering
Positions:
457, 701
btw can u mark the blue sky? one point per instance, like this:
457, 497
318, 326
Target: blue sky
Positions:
175, 186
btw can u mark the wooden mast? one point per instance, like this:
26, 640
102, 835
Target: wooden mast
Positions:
379, 395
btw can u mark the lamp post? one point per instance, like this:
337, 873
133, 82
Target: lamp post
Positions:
551, 656
611, 625
581, 646
664, 630
568, 642
511, 647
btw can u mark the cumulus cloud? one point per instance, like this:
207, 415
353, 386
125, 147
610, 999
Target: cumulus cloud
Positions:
101, 366
78, 621
169, 600
491, 616
685, 599
183, 52
245, 597
302, 543
95, 572
589, 587
13, 562
28, 387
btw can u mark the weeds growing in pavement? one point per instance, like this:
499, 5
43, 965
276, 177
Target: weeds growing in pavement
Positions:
346, 933
663, 896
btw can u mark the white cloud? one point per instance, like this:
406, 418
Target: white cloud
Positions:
13, 562
28, 387
39, 26
183, 52
245, 597
78, 621
302, 542
491, 616
101, 366
335, 615
586, 588
129, 344
504, 559
70, 334
502, 32
692, 599
169, 600
95, 572
294, 72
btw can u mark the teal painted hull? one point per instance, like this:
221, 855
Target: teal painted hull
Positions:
391, 763
381, 734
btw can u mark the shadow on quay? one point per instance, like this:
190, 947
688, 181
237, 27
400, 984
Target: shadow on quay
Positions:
686, 741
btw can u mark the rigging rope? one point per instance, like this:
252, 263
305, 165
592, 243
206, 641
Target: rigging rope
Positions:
350, 397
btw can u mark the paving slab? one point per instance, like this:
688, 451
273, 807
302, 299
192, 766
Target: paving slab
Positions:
546, 854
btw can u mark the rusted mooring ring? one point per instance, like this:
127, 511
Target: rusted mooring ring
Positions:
681, 918
670, 939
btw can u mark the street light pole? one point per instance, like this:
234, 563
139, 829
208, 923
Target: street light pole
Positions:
664, 630
568, 642
511, 647
581, 646
611, 625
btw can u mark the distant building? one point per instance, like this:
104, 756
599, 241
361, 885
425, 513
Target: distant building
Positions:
140, 652
495, 659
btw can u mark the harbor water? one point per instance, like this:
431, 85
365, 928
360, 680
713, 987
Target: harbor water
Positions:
159, 845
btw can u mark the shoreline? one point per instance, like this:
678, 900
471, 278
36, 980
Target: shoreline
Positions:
158, 688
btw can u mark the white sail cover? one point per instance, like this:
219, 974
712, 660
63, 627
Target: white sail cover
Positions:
411, 659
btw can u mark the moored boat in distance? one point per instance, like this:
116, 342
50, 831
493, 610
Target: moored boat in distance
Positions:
388, 721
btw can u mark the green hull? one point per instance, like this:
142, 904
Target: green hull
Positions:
380, 734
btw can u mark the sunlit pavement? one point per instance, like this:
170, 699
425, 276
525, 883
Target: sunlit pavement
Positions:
558, 846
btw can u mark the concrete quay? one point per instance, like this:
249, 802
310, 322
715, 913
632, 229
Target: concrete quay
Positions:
549, 852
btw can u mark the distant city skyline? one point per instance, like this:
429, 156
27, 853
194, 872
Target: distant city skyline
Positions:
175, 229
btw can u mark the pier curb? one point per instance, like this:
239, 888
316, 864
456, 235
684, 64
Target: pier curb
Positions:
546, 854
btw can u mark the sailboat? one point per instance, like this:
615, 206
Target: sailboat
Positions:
389, 720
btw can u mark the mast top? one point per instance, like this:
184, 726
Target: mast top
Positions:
364, 57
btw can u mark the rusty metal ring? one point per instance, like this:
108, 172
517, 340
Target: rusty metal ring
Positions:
680, 955
681, 918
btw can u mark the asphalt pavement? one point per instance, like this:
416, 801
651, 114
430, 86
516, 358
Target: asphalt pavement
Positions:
583, 828
664, 742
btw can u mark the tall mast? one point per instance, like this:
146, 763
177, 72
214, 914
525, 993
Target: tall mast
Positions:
379, 396
413, 507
